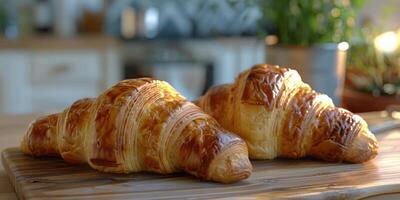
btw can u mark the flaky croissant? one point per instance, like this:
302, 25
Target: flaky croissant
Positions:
141, 125
280, 116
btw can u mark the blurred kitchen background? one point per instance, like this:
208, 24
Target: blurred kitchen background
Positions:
53, 52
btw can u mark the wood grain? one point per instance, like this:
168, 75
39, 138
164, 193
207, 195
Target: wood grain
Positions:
52, 178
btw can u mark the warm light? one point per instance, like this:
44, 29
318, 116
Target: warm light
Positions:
398, 33
343, 46
335, 12
396, 114
386, 42
271, 39
151, 22
128, 20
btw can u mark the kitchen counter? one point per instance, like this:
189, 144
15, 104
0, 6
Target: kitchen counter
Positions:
53, 42
12, 128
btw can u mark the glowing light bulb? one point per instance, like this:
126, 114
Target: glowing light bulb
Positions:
271, 40
386, 42
343, 46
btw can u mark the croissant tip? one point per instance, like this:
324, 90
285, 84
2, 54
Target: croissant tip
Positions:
231, 166
363, 148
24, 146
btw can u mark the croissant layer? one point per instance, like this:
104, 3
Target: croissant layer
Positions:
278, 115
141, 125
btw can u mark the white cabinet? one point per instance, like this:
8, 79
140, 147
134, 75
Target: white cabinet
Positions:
49, 80
66, 66
15, 88
60, 78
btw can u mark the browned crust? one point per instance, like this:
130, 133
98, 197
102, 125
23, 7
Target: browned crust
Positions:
72, 137
199, 148
332, 134
102, 132
216, 102
150, 129
263, 85
42, 140
106, 121
326, 135
292, 133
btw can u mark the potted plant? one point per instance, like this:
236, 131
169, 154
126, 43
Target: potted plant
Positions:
373, 72
310, 36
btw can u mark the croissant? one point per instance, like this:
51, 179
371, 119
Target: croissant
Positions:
280, 116
140, 125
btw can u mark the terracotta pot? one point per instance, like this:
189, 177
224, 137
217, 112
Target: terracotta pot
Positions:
357, 101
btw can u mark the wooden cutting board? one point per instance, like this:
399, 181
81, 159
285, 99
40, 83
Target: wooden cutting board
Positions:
50, 178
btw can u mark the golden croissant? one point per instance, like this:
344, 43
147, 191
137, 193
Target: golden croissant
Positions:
141, 125
280, 116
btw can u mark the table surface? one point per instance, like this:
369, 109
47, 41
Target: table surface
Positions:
12, 128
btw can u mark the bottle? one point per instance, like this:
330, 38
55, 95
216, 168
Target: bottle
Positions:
42, 16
